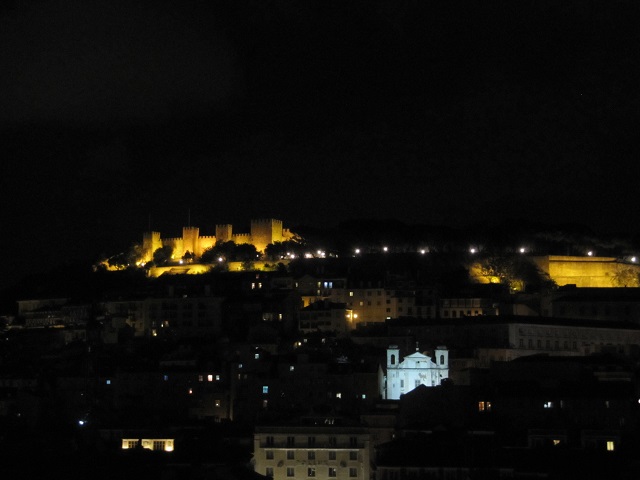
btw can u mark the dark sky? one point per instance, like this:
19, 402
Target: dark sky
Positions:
447, 112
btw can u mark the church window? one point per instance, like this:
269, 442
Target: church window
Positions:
441, 359
393, 359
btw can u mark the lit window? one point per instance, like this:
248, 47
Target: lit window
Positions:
200, 378
265, 389
364, 396
338, 395
548, 404
610, 446
108, 382
291, 368
209, 378
265, 403
191, 391
217, 403
257, 356
165, 377
217, 377
351, 294
556, 442
158, 445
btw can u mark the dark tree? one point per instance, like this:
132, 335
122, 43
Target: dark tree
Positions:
162, 255
278, 250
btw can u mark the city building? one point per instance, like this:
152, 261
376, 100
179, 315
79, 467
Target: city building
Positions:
303, 452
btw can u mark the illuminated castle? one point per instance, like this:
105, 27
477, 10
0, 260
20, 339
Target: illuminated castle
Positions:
263, 232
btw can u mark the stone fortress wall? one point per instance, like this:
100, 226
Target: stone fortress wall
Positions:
602, 272
263, 232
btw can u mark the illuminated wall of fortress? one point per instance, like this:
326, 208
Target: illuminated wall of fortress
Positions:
600, 272
263, 232
586, 271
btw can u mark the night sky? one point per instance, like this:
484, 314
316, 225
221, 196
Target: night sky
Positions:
116, 113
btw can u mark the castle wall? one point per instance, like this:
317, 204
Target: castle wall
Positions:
583, 271
224, 233
190, 241
265, 231
287, 235
150, 243
205, 243
241, 238
176, 244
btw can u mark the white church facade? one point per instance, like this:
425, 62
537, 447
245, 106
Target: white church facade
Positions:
414, 370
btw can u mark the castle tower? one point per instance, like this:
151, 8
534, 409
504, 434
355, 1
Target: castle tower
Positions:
190, 243
265, 231
150, 243
224, 233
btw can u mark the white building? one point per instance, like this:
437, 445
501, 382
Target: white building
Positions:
416, 369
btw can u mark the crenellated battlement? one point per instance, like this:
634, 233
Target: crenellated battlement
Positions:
263, 232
